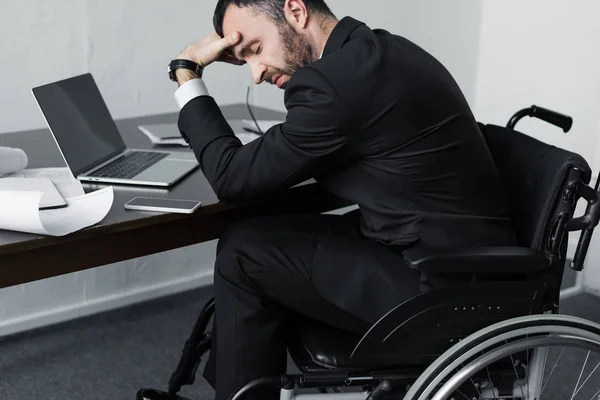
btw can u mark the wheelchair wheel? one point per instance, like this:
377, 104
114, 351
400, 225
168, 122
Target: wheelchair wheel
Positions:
537, 357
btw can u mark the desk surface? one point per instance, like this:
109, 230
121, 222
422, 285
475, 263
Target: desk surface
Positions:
125, 234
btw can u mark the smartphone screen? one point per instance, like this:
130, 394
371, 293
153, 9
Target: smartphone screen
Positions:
153, 203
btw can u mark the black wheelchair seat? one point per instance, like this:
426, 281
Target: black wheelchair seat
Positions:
315, 346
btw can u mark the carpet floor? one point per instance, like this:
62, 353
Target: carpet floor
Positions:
110, 356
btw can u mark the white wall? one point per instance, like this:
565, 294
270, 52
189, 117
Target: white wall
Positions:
447, 29
126, 45
542, 52
545, 52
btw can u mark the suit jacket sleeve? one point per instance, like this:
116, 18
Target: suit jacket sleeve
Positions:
314, 136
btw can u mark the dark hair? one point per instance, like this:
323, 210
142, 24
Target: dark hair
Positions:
272, 8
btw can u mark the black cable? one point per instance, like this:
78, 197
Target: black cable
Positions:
250, 110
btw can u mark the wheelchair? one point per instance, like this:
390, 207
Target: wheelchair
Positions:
491, 338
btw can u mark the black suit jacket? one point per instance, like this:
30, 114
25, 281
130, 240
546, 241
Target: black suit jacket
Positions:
380, 122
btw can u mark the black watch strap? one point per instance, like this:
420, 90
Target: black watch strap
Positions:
185, 64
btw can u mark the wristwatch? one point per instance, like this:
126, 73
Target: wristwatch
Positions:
185, 64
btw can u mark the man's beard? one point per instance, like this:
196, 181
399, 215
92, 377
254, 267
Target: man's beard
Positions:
298, 48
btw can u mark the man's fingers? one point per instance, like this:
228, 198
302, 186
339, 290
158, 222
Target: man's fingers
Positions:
214, 48
221, 48
230, 40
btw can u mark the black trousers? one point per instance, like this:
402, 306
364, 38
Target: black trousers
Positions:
270, 269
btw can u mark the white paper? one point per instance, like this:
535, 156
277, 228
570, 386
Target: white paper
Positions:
51, 197
19, 211
156, 132
62, 178
12, 160
168, 134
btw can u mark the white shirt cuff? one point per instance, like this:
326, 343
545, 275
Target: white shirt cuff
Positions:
189, 91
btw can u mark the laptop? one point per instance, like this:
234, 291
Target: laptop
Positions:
91, 144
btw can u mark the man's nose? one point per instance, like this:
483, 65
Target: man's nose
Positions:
258, 72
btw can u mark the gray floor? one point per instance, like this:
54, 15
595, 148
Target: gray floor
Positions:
110, 356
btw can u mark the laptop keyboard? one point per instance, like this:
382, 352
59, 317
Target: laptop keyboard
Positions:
129, 165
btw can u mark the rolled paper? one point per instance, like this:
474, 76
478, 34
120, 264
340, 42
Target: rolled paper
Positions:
12, 160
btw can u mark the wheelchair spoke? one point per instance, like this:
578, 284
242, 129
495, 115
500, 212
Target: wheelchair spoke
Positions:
516, 374
491, 382
546, 359
464, 395
552, 371
475, 386
527, 374
512, 361
580, 374
587, 379
594, 397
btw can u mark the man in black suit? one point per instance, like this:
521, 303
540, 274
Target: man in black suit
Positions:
377, 121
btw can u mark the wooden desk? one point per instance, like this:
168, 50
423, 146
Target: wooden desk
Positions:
124, 234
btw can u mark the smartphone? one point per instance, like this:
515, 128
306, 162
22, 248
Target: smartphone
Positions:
163, 205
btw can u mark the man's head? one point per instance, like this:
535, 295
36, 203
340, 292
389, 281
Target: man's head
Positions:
278, 36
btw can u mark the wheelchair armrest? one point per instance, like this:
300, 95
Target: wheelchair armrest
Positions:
511, 260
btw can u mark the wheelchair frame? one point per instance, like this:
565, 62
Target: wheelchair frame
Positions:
376, 382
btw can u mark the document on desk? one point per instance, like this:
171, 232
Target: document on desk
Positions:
19, 211
168, 134
13, 164
62, 178
51, 196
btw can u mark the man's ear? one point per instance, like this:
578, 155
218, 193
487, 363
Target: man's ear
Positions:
296, 14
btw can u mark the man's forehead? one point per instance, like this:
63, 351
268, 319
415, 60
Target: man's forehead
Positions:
246, 21
237, 19
243, 20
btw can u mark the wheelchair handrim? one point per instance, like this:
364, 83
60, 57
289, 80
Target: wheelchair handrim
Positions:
469, 347
524, 344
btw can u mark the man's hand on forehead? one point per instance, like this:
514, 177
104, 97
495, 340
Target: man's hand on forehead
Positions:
213, 48
206, 51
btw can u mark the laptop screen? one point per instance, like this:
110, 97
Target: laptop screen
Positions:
80, 122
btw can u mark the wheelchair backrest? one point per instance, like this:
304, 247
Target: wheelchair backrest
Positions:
536, 178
